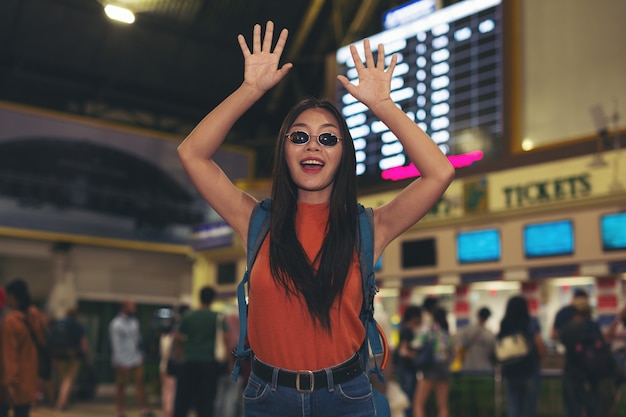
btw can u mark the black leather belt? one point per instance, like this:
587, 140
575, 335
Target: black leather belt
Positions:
307, 381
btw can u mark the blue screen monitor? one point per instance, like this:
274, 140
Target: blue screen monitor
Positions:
613, 231
478, 246
549, 239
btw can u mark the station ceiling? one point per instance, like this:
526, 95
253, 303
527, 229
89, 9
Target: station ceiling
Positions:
175, 63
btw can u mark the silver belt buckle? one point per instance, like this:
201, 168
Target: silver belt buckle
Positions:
311, 378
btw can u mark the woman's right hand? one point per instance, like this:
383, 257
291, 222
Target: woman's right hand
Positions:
261, 65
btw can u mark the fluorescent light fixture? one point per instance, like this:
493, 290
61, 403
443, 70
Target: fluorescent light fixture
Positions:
434, 289
389, 292
120, 14
572, 281
495, 286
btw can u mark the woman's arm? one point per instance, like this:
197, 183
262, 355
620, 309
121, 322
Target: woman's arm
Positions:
196, 152
412, 203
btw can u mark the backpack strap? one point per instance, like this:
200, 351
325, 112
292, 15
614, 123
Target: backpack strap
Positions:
257, 230
373, 332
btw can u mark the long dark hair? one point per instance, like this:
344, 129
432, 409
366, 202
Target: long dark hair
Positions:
288, 261
516, 316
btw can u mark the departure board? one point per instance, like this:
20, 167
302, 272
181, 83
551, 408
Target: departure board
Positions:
448, 79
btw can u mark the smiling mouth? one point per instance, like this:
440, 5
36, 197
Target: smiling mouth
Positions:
311, 163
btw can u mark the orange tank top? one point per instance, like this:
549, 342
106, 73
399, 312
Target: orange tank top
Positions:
280, 329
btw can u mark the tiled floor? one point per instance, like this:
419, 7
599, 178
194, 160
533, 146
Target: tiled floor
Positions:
91, 409
101, 406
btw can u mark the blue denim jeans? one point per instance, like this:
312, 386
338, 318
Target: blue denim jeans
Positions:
522, 395
353, 398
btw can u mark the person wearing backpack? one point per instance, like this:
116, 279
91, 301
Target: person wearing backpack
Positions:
435, 371
403, 366
521, 375
589, 366
305, 293
19, 383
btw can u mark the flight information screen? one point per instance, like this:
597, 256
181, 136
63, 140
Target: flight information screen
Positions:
448, 80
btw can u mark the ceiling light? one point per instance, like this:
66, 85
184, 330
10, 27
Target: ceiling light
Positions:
121, 14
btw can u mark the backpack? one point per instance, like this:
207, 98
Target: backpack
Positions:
372, 345
44, 358
592, 354
64, 339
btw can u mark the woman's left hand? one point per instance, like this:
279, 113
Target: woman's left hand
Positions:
374, 83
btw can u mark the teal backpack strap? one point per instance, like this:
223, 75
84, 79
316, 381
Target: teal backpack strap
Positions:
365, 246
257, 230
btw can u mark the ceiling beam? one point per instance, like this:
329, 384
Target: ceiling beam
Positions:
301, 36
363, 16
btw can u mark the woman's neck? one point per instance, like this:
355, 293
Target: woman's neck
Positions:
314, 197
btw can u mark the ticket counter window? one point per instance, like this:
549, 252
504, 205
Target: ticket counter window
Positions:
494, 295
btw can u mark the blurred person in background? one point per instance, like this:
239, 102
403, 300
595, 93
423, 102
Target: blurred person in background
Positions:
616, 335
587, 383
127, 357
69, 347
196, 383
435, 375
522, 379
566, 313
19, 384
478, 343
404, 369
475, 352
169, 361
3, 296
229, 397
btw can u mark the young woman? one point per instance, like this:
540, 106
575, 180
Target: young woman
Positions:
305, 293
522, 379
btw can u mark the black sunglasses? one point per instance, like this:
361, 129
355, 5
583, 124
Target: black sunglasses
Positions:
324, 139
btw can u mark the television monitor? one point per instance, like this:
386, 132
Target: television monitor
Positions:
478, 246
417, 253
448, 80
613, 231
549, 239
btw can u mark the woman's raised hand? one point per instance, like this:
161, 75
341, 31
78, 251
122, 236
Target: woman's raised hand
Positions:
374, 81
261, 65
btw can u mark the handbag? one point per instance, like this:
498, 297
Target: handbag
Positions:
512, 348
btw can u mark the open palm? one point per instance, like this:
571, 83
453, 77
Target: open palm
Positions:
374, 83
261, 65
